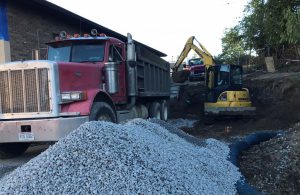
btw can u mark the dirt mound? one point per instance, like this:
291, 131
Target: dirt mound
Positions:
275, 96
273, 87
189, 103
274, 166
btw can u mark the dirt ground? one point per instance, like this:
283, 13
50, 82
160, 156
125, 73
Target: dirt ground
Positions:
276, 97
274, 166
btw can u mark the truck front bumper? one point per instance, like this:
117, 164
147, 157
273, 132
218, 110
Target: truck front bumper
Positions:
39, 130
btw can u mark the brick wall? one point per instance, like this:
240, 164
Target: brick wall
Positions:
30, 27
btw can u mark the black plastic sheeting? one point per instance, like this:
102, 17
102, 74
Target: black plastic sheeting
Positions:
238, 147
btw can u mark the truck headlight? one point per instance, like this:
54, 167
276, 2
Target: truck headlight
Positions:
67, 97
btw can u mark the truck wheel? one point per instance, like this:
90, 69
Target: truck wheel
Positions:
154, 110
164, 110
102, 111
10, 150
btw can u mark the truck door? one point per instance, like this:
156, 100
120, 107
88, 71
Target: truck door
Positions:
117, 54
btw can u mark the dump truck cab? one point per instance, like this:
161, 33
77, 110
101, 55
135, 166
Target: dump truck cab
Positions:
197, 69
85, 78
83, 61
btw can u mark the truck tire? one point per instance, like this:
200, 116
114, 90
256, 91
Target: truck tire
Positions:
10, 150
164, 110
102, 111
154, 110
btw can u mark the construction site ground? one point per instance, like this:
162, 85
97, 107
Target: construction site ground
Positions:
274, 167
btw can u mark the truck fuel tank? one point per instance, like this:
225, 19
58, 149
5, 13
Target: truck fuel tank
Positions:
111, 70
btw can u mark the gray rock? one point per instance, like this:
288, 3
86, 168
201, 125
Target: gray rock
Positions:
139, 157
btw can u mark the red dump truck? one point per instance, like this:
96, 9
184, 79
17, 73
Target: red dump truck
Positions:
89, 77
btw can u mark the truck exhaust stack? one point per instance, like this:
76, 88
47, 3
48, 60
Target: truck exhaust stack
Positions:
131, 68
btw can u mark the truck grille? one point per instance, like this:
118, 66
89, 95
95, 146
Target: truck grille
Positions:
24, 91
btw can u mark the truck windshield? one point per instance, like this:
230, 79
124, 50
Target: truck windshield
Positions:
196, 61
77, 52
59, 54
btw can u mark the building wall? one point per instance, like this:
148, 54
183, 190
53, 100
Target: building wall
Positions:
30, 27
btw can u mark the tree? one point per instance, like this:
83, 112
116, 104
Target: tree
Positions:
268, 27
271, 24
292, 17
232, 47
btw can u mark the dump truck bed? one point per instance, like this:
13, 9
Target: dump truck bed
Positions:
153, 74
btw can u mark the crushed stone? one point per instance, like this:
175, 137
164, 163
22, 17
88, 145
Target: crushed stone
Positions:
139, 157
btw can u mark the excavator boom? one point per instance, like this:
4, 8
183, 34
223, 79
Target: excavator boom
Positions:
201, 51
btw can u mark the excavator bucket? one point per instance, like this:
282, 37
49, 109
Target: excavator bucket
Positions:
180, 76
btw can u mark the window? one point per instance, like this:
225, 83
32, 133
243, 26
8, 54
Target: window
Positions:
236, 75
87, 53
223, 75
115, 54
59, 54
196, 61
76, 52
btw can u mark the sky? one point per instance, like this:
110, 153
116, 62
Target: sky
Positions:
163, 24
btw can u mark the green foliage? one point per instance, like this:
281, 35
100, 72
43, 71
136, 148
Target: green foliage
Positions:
233, 47
267, 24
292, 31
252, 26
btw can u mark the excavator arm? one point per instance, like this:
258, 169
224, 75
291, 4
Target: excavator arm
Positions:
201, 51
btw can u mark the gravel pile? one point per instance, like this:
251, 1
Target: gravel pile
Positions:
139, 157
274, 166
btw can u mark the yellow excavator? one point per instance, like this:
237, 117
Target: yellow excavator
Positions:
224, 91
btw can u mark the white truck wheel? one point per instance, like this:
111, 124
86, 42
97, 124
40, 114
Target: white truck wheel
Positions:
164, 110
154, 110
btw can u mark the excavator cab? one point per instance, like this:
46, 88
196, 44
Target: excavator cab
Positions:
225, 94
